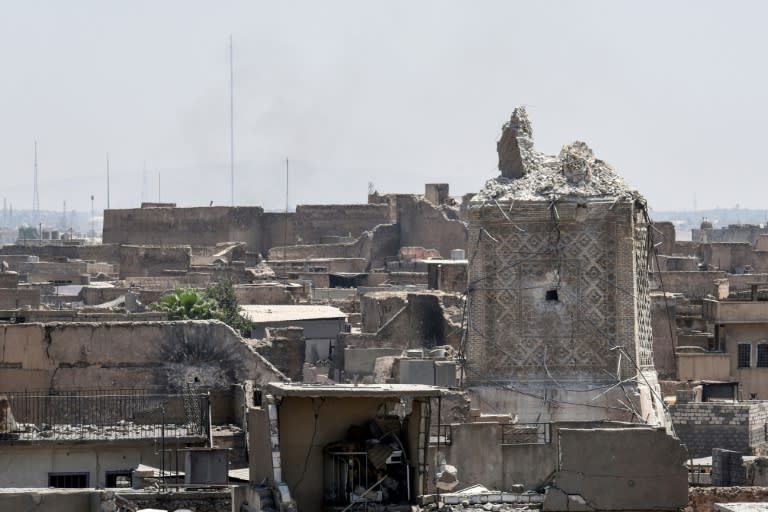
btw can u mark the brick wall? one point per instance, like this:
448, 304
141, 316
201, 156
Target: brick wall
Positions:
703, 426
593, 255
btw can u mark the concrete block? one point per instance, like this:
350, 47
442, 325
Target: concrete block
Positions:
445, 373
417, 371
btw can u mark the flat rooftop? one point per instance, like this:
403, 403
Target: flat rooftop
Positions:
350, 390
259, 313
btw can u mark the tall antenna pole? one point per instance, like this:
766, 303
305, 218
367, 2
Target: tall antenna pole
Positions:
93, 221
231, 127
285, 220
158, 186
36, 198
107, 181
144, 183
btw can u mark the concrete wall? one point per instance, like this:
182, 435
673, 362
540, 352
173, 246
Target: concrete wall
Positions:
694, 285
664, 335
107, 252
307, 425
145, 261
619, 469
731, 257
753, 379
28, 465
313, 222
537, 402
184, 226
423, 224
164, 355
703, 366
273, 293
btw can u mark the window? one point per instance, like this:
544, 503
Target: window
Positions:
118, 478
552, 295
744, 359
762, 355
68, 480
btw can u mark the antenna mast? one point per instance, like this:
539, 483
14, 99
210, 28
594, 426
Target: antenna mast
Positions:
231, 127
107, 181
144, 184
36, 197
285, 220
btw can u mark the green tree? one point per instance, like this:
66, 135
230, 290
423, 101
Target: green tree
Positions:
218, 302
223, 293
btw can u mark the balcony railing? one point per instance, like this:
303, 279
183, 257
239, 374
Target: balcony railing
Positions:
102, 415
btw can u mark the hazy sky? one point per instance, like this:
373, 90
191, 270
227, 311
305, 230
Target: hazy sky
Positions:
398, 93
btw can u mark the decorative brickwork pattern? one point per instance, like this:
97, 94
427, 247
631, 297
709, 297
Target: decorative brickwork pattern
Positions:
591, 258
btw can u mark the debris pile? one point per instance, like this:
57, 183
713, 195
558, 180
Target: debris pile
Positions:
530, 175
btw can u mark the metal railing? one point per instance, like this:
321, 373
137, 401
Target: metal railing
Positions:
102, 415
526, 433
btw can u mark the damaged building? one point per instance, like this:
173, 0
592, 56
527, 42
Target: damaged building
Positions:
559, 323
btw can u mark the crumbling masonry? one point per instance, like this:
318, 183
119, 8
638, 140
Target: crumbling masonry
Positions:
558, 251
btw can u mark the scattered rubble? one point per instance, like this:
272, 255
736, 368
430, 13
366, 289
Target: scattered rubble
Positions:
537, 176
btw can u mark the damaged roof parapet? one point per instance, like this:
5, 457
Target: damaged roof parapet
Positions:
530, 175
352, 390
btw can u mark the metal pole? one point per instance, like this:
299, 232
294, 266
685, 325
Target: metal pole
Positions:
231, 126
162, 449
107, 181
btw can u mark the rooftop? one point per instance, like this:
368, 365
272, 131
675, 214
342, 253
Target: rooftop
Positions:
259, 313
350, 390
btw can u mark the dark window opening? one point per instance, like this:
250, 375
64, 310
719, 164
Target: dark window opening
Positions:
762, 355
118, 479
68, 480
744, 359
552, 295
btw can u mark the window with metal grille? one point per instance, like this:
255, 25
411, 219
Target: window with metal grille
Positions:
762, 355
744, 355
68, 480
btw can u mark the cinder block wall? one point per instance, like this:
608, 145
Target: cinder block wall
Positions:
739, 427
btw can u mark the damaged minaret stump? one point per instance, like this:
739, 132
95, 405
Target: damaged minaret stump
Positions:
559, 287
516, 139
